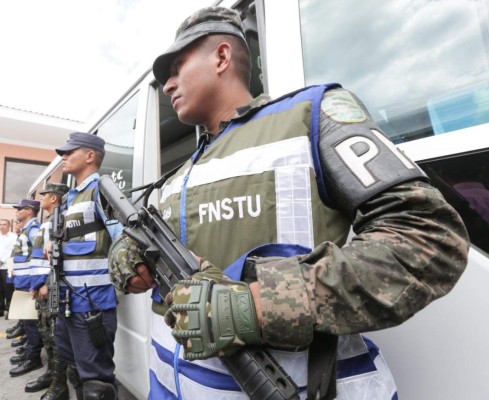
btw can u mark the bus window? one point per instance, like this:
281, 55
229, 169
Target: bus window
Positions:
58, 176
464, 181
18, 175
118, 133
256, 84
420, 66
178, 141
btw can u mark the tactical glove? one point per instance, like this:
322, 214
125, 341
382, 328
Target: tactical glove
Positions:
123, 256
212, 315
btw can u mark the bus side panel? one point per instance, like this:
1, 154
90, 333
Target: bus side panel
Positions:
443, 350
132, 343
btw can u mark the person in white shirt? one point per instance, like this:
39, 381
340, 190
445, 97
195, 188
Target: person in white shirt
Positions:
7, 241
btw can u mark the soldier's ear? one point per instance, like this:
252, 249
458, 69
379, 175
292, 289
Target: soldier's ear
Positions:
90, 156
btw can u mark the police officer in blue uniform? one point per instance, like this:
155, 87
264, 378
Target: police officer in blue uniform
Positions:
85, 339
27, 211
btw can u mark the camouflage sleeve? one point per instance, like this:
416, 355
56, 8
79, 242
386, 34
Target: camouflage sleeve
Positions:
410, 248
123, 257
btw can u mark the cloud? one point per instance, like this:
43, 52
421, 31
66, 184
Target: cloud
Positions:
71, 58
385, 51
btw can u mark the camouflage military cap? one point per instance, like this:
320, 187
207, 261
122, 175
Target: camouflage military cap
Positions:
207, 21
58, 188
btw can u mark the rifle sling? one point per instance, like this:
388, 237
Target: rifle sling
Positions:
321, 379
82, 230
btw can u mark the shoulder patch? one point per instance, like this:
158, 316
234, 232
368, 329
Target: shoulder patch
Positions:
340, 106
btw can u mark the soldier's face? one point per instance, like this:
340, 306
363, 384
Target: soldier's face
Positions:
74, 160
46, 200
23, 214
191, 85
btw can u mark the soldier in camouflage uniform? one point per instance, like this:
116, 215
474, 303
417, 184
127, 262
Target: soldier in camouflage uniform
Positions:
269, 197
55, 377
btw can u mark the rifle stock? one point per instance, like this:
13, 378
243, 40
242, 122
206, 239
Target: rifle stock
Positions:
254, 369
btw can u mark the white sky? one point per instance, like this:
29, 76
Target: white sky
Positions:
72, 59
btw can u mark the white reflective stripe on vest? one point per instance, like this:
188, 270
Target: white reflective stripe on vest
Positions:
375, 385
294, 210
372, 385
87, 208
90, 280
45, 228
20, 266
291, 161
294, 363
22, 272
39, 270
38, 263
253, 160
85, 265
24, 244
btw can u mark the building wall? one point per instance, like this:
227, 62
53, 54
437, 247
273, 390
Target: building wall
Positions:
21, 153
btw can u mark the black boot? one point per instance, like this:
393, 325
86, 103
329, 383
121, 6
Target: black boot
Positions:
98, 390
20, 350
16, 333
13, 328
26, 366
19, 342
74, 379
18, 359
58, 390
44, 380
40, 383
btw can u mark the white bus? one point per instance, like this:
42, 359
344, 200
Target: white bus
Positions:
422, 69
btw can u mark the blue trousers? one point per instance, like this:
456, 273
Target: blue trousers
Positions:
74, 346
34, 342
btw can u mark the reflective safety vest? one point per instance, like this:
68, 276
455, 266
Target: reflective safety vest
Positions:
85, 256
39, 265
255, 184
21, 254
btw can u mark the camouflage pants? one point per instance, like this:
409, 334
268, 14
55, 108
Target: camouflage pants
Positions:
44, 324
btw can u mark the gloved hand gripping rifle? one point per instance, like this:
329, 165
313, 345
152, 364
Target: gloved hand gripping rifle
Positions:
56, 274
254, 369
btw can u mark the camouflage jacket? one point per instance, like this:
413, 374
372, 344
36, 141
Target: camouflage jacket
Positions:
410, 248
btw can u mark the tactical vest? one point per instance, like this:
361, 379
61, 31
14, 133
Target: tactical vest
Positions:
21, 254
39, 265
85, 257
255, 184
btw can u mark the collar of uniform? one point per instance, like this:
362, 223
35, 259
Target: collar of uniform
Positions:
87, 181
257, 102
32, 221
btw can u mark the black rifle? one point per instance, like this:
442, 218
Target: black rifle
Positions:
56, 274
255, 370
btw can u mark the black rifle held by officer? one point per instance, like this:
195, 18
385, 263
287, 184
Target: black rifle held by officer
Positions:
56, 274
253, 368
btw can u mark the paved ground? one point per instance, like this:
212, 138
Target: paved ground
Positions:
13, 388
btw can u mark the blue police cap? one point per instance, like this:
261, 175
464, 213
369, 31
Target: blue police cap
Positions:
82, 139
28, 203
